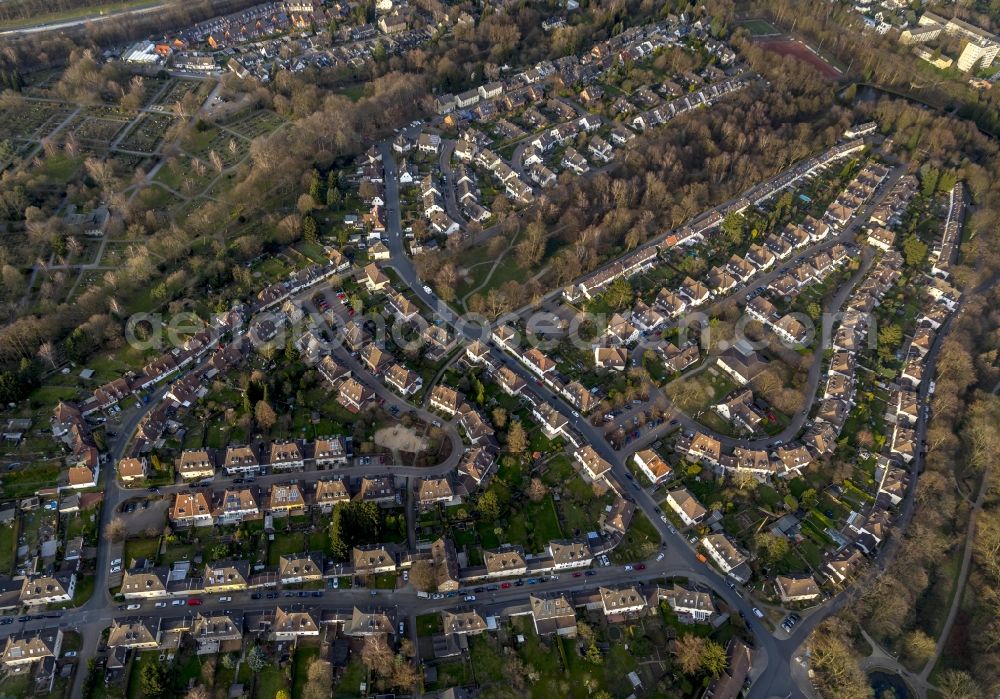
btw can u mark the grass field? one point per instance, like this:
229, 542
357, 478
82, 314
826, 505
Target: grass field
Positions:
759, 27
78, 13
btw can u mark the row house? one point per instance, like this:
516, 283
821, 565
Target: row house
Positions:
298, 568
236, 506
380, 490
329, 494
38, 590
285, 500
286, 456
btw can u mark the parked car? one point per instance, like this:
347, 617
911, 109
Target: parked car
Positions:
177, 603
132, 607
159, 605
757, 613
470, 598
194, 602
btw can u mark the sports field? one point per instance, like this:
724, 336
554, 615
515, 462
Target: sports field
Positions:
760, 27
798, 50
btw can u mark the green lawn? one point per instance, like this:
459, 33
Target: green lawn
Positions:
639, 543
25, 481
8, 548
428, 625
303, 657
269, 682
350, 681
283, 544
147, 548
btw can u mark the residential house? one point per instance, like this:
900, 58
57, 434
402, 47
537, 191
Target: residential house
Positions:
291, 624
652, 465
690, 606
132, 469
621, 601
191, 510
237, 505
144, 584
611, 358
569, 554
686, 506
445, 560
329, 451
353, 395
431, 491
330, 493
286, 456
617, 517
217, 632
26, 647
134, 634
538, 362
44, 589
285, 499
727, 556
505, 561
378, 489
446, 399
796, 588
553, 615
593, 465
373, 560
241, 460
226, 576
294, 569
194, 464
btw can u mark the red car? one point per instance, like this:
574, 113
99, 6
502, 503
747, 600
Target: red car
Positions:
194, 602
577, 574
640, 566
504, 586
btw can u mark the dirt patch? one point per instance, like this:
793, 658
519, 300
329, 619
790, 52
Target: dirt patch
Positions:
398, 438
801, 52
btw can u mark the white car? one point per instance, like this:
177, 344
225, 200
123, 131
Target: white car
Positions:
132, 607
470, 598
757, 613
406, 576
225, 599
177, 603
427, 290
336, 583
116, 562
663, 518
159, 605
660, 556
69, 654
628, 568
